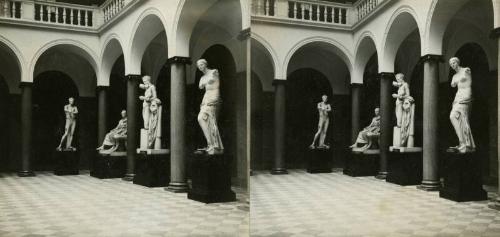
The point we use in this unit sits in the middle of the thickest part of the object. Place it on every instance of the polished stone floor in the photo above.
(80, 205)
(303, 204)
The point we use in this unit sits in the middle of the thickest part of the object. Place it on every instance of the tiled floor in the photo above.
(303, 204)
(49, 205)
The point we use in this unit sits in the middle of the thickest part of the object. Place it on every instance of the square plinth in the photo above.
(211, 179)
(66, 163)
(364, 163)
(462, 178)
(108, 166)
(404, 166)
(152, 168)
(319, 160)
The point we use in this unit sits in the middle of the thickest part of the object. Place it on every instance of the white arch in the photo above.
(107, 61)
(386, 60)
(86, 51)
(359, 61)
(132, 67)
(270, 51)
(343, 53)
(18, 55)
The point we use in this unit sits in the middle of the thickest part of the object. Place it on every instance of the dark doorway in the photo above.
(117, 94)
(4, 122)
(257, 160)
(51, 91)
(304, 90)
(370, 96)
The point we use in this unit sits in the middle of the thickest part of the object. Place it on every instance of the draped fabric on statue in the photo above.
(373, 128)
(406, 120)
(211, 110)
(119, 131)
(461, 110)
(153, 128)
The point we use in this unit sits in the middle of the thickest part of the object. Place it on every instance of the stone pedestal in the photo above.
(211, 179)
(319, 160)
(404, 166)
(108, 166)
(365, 163)
(462, 178)
(66, 163)
(152, 168)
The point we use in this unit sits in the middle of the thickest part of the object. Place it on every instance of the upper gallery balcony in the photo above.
(61, 15)
(315, 12)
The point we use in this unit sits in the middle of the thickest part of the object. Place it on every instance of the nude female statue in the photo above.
(70, 111)
(459, 115)
(209, 108)
(323, 110)
(149, 95)
(403, 92)
(111, 138)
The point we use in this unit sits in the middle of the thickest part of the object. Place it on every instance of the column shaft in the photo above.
(496, 35)
(178, 157)
(101, 113)
(355, 110)
(430, 177)
(279, 127)
(385, 121)
(26, 130)
(132, 124)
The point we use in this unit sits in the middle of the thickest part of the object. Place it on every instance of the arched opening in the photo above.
(51, 91)
(304, 90)
(262, 102)
(220, 58)
(370, 95)
(117, 93)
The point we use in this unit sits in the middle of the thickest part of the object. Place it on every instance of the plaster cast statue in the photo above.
(70, 111)
(149, 95)
(112, 138)
(323, 109)
(403, 92)
(406, 129)
(459, 114)
(368, 134)
(154, 131)
(209, 108)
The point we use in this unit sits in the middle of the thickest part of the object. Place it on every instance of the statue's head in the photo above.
(407, 102)
(454, 63)
(155, 103)
(324, 98)
(71, 100)
(377, 111)
(124, 113)
(400, 77)
(202, 64)
(146, 79)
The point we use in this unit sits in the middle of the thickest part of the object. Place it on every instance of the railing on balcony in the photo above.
(10, 8)
(365, 7)
(112, 7)
(64, 14)
(303, 10)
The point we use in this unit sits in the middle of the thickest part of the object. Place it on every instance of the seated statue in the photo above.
(367, 136)
(111, 140)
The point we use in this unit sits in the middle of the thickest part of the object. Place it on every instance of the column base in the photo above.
(381, 175)
(26, 173)
(128, 177)
(177, 187)
(429, 186)
(279, 171)
(495, 205)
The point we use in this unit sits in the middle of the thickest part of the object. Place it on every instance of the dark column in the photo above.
(386, 79)
(26, 124)
(132, 124)
(101, 113)
(430, 177)
(178, 157)
(279, 127)
(495, 34)
(355, 103)
(244, 119)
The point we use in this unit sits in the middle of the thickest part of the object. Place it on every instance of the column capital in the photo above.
(386, 75)
(179, 60)
(133, 77)
(356, 85)
(101, 88)
(244, 34)
(495, 33)
(279, 82)
(432, 58)
(25, 84)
